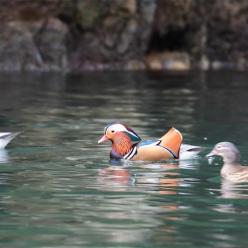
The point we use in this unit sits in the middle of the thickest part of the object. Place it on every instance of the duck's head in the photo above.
(123, 138)
(227, 150)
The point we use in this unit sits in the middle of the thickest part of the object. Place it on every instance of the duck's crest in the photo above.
(127, 130)
(133, 135)
(110, 124)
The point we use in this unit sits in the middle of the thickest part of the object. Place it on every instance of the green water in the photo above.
(58, 188)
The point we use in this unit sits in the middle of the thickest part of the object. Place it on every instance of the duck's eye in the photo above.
(218, 147)
(112, 131)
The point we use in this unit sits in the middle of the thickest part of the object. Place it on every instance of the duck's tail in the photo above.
(172, 140)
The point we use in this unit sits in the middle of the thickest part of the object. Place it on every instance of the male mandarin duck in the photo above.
(231, 170)
(5, 138)
(126, 144)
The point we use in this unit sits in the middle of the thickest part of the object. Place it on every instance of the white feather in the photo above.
(5, 138)
(189, 151)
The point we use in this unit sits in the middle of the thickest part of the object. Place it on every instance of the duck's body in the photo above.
(235, 173)
(231, 170)
(126, 144)
(5, 138)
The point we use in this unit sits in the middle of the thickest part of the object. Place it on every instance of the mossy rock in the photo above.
(87, 14)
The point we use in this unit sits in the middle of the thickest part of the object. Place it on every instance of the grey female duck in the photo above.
(231, 170)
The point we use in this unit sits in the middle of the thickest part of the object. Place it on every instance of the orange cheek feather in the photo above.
(122, 143)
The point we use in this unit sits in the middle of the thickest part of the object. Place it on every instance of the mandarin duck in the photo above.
(127, 145)
(231, 170)
(5, 138)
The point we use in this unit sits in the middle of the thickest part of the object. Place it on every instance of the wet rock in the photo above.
(168, 61)
(135, 65)
(87, 14)
(130, 5)
(172, 13)
(28, 11)
(103, 35)
(127, 36)
(117, 35)
(17, 48)
(204, 63)
(227, 32)
(50, 41)
(37, 45)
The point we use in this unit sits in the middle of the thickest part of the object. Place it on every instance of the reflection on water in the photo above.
(4, 157)
(234, 191)
(115, 178)
(59, 189)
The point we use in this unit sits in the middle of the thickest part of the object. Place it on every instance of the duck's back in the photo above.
(166, 147)
(239, 175)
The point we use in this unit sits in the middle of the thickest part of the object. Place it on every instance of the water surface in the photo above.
(58, 188)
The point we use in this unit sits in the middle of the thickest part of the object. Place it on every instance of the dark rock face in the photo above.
(32, 37)
(209, 31)
(37, 45)
(111, 33)
(65, 35)
(228, 33)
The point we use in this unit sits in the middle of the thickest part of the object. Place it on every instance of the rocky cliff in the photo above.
(75, 35)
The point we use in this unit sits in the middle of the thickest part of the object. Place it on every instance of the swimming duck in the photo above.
(5, 138)
(126, 144)
(231, 170)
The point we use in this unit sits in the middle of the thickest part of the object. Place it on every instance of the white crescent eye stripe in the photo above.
(116, 128)
(133, 134)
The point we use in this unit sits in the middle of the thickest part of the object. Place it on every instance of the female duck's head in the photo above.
(227, 151)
